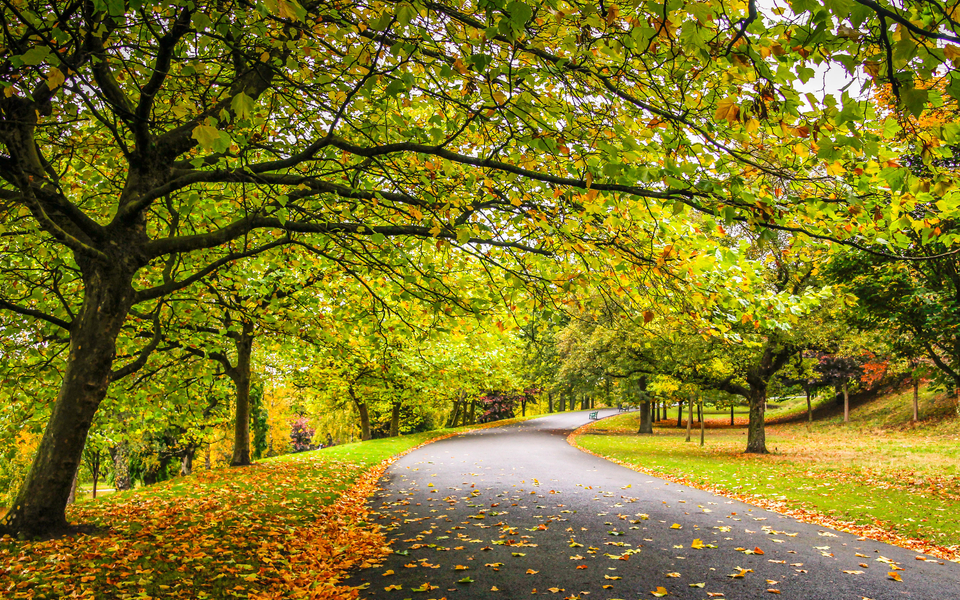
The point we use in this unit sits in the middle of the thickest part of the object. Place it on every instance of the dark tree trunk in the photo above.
(756, 433)
(523, 406)
(731, 415)
(240, 375)
(700, 412)
(549, 402)
(452, 421)
(702, 426)
(646, 426)
(473, 412)
(96, 474)
(679, 413)
(364, 415)
(689, 417)
(395, 419)
(40, 503)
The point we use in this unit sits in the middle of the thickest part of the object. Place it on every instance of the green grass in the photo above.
(877, 470)
(268, 528)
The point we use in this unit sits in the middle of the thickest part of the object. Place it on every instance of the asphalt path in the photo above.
(516, 512)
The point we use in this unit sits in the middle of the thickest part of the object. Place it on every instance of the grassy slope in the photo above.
(879, 470)
(286, 527)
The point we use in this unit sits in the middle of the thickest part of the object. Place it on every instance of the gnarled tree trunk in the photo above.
(39, 506)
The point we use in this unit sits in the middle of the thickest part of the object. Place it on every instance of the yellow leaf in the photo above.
(676, 526)
(55, 78)
(499, 97)
(660, 592)
(532, 572)
(728, 110)
(697, 544)
(674, 575)
(390, 588)
(388, 573)
(894, 576)
(461, 568)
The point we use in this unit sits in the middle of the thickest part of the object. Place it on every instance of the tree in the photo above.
(146, 146)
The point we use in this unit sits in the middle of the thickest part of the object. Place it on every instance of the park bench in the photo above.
(593, 415)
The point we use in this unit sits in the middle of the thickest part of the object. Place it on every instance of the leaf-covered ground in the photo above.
(289, 527)
(896, 484)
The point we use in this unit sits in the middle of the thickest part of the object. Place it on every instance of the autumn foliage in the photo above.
(280, 529)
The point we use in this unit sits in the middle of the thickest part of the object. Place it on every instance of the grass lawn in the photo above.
(290, 526)
(877, 471)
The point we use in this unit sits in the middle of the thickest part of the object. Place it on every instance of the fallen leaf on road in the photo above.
(660, 592)
(894, 576)
(773, 591)
(390, 588)
(673, 574)
(852, 572)
(698, 585)
(676, 526)
(532, 572)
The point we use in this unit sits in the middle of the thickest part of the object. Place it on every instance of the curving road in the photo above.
(515, 512)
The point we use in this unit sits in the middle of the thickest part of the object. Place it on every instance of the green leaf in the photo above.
(206, 136)
(35, 56)
(242, 105)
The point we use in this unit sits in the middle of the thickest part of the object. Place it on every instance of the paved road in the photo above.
(521, 513)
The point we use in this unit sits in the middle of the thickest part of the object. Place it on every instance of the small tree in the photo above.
(498, 405)
(301, 435)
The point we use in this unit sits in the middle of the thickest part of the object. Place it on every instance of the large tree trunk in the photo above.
(549, 402)
(364, 415)
(39, 506)
(240, 375)
(646, 425)
(756, 431)
(395, 419)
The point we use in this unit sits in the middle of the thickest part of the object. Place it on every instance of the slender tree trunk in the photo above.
(916, 398)
(689, 417)
(809, 407)
(523, 406)
(846, 402)
(700, 412)
(549, 402)
(646, 426)
(679, 414)
(756, 430)
(97, 463)
(241, 380)
(473, 412)
(364, 415)
(452, 421)
(40, 504)
(731, 416)
(395, 419)
(702, 425)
